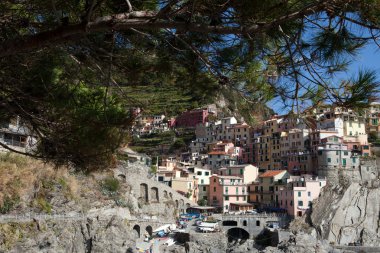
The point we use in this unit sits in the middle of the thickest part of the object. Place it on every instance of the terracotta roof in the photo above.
(271, 173)
(240, 126)
(217, 153)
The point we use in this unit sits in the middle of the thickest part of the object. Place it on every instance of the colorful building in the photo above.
(192, 118)
(225, 190)
(297, 194)
(373, 121)
(262, 191)
(247, 172)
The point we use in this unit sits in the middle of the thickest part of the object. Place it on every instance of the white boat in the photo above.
(208, 224)
(166, 228)
(206, 229)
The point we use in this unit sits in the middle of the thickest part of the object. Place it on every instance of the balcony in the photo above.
(261, 192)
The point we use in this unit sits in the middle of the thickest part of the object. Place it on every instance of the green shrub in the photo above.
(44, 205)
(9, 204)
(110, 186)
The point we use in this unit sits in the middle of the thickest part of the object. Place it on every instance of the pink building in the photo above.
(192, 118)
(298, 193)
(225, 190)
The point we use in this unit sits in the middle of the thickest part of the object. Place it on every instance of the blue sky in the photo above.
(367, 58)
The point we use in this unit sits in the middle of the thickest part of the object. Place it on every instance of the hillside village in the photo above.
(279, 165)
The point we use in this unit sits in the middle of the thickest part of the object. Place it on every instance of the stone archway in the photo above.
(188, 205)
(144, 193)
(166, 194)
(170, 195)
(154, 194)
(121, 176)
(176, 203)
(136, 231)
(244, 223)
(149, 230)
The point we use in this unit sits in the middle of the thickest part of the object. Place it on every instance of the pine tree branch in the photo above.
(144, 20)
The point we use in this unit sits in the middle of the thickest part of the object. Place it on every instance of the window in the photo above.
(291, 203)
(299, 194)
(229, 172)
(344, 161)
(204, 188)
(353, 159)
(226, 198)
(199, 173)
(226, 189)
(241, 171)
(214, 189)
(237, 198)
(329, 160)
(214, 198)
(207, 173)
(309, 194)
(214, 180)
(345, 153)
(257, 223)
(300, 203)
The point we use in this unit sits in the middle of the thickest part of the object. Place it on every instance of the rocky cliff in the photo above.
(348, 211)
(47, 210)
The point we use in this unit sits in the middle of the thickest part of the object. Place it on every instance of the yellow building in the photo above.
(262, 192)
(185, 184)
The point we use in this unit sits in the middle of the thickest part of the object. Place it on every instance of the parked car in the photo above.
(254, 211)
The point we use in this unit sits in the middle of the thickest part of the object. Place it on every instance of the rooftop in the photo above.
(228, 177)
(272, 173)
(217, 153)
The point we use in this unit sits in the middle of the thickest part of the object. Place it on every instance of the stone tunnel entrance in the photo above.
(237, 234)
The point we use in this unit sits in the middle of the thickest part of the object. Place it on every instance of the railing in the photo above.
(258, 215)
(261, 192)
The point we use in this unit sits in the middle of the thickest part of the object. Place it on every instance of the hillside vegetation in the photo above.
(28, 185)
(173, 141)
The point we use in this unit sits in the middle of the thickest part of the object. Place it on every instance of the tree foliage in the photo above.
(70, 69)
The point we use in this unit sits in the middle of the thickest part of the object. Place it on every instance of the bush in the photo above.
(9, 204)
(202, 202)
(44, 205)
(111, 184)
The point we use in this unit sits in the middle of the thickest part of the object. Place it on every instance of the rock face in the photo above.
(110, 234)
(347, 216)
(93, 221)
(349, 212)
